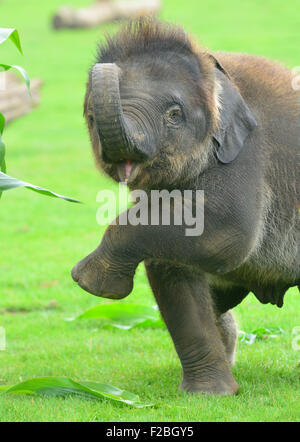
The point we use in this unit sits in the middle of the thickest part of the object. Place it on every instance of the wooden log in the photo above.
(14, 98)
(104, 11)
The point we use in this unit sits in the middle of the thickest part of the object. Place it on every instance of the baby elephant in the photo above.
(163, 114)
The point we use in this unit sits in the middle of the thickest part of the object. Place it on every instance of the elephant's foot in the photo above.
(210, 382)
(102, 278)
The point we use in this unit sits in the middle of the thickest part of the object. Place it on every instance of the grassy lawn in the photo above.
(42, 238)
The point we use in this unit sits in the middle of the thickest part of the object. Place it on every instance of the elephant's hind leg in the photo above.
(224, 300)
(228, 330)
(186, 306)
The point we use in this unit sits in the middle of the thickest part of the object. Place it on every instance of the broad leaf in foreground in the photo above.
(2, 123)
(125, 316)
(63, 386)
(13, 35)
(7, 182)
(2, 146)
(6, 67)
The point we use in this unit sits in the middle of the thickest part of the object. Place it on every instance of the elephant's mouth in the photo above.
(128, 170)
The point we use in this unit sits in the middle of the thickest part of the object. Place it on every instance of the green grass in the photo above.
(42, 238)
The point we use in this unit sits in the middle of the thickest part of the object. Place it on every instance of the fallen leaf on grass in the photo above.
(247, 338)
(260, 334)
(125, 316)
(63, 386)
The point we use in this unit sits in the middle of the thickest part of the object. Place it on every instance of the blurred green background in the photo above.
(42, 238)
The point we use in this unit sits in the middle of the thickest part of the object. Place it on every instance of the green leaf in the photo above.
(260, 334)
(13, 35)
(2, 123)
(7, 182)
(6, 67)
(247, 338)
(270, 332)
(2, 156)
(63, 386)
(125, 316)
(2, 147)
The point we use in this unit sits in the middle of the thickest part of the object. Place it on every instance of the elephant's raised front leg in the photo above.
(185, 304)
(109, 270)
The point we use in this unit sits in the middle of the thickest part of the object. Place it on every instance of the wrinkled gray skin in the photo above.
(176, 117)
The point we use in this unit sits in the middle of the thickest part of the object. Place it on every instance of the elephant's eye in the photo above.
(174, 115)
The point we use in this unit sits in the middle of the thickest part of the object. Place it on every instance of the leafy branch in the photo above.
(7, 182)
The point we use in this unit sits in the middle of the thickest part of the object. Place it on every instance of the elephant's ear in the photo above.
(236, 120)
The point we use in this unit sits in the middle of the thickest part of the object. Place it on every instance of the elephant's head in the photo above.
(158, 108)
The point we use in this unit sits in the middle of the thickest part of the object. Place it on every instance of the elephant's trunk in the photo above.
(111, 125)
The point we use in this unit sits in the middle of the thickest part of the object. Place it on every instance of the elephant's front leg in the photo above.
(185, 304)
(109, 270)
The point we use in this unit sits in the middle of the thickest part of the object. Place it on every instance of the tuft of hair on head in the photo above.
(144, 35)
